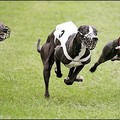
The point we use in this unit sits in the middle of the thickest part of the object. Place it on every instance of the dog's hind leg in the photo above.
(47, 56)
(46, 73)
(47, 63)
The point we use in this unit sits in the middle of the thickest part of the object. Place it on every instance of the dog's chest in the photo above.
(80, 60)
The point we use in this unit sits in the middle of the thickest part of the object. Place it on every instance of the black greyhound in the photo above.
(75, 53)
(111, 51)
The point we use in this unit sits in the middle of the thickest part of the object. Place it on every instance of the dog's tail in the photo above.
(38, 46)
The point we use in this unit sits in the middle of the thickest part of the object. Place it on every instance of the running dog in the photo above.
(69, 45)
(111, 51)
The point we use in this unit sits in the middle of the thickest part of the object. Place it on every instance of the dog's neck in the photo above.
(74, 46)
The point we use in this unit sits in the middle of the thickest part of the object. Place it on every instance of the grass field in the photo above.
(21, 79)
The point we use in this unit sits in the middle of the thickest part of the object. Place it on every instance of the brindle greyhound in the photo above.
(4, 32)
(74, 53)
(111, 51)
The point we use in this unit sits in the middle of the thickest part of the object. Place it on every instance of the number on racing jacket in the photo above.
(62, 32)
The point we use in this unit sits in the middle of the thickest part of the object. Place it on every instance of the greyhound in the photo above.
(69, 45)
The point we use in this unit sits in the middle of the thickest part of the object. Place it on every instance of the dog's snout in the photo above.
(95, 38)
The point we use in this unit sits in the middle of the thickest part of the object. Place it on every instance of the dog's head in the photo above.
(4, 32)
(89, 36)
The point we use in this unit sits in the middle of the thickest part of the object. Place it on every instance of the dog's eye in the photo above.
(95, 32)
(85, 31)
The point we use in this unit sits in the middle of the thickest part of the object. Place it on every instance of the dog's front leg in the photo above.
(78, 78)
(100, 61)
(73, 72)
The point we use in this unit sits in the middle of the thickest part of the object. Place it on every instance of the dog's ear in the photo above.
(80, 29)
(77, 35)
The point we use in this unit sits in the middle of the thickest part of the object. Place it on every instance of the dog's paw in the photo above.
(58, 74)
(79, 79)
(92, 69)
(67, 81)
(47, 95)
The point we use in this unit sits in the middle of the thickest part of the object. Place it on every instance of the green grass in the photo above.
(21, 79)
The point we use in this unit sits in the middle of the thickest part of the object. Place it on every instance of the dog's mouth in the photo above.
(5, 33)
(91, 42)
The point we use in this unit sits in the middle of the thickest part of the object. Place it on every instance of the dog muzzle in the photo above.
(5, 33)
(90, 40)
